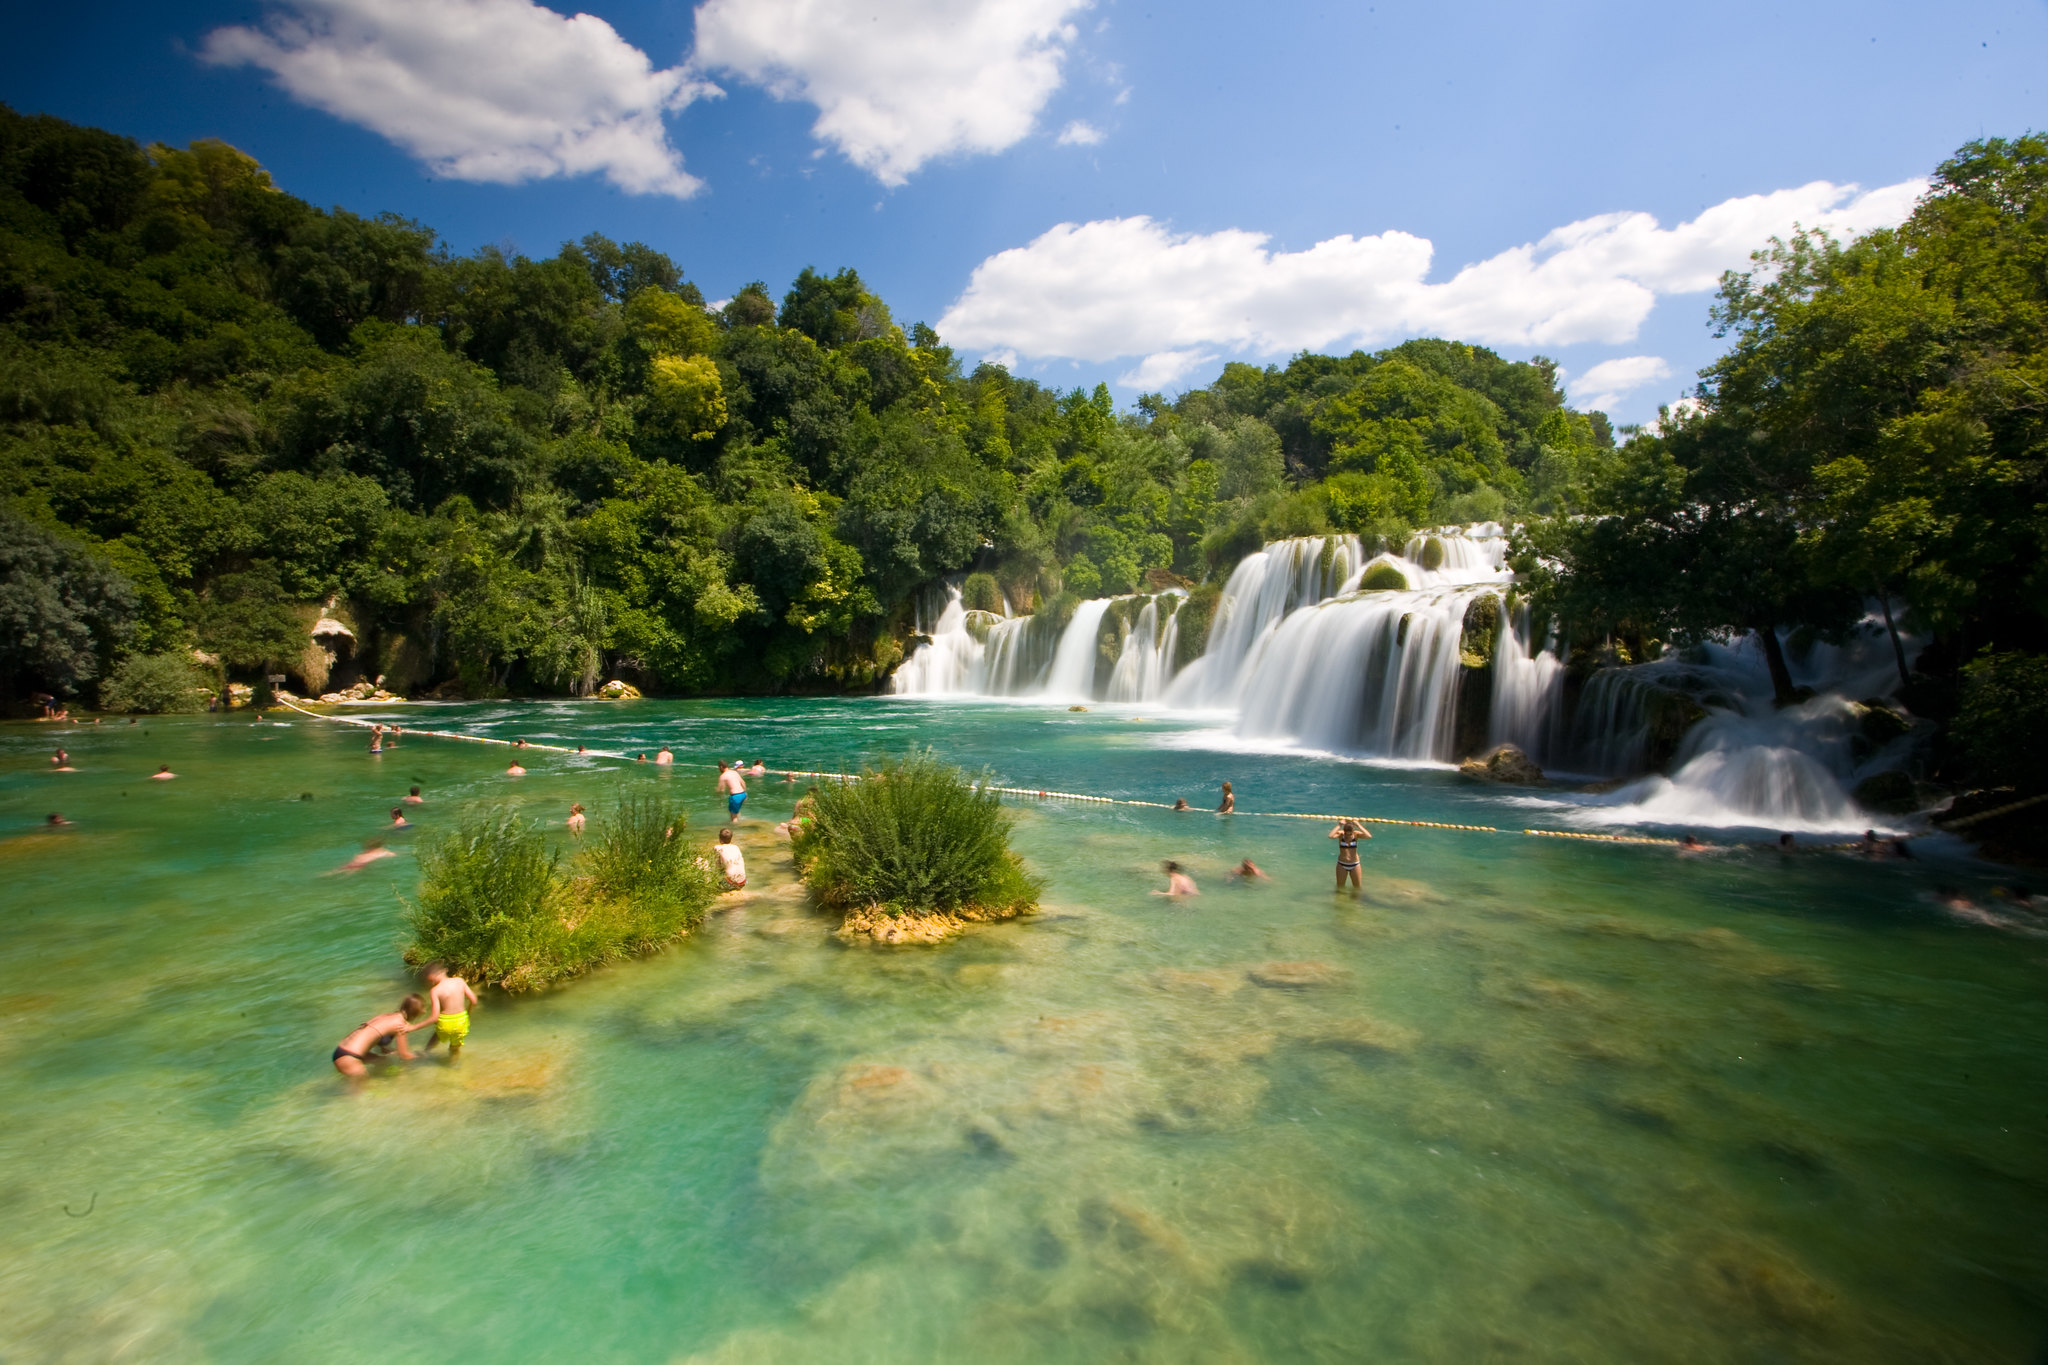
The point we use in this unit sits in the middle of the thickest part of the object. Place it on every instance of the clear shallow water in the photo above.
(1529, 1099)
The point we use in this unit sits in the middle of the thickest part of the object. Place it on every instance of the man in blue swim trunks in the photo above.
(734, 787)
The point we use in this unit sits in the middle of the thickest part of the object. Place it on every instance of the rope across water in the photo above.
(1027, 793)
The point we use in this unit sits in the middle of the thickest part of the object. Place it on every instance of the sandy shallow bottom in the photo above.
(1523, 1100)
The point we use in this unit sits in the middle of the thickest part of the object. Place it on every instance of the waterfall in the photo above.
(1072, 674)
(1263, 588)
(948, 662)
(1528, 684)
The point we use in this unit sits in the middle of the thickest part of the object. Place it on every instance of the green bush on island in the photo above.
(155, 684)
(912, 849)
(498, 906)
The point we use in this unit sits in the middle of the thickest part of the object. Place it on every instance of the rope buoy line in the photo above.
(1032, 793)
(1995, 812)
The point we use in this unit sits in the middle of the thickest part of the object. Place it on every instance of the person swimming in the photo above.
(1180, 803)
(1691, 844)
(398, 820)
(515, 770)
(1347, 834)
(413, 798)
(1248, 871)
(664, 758)
(576, 820)
(1178, 882)
(162, 774)
(376, 1035)
(758, 770)
(56, 821)
(372, 851)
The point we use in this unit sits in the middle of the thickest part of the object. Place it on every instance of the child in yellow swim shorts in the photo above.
(451, 997)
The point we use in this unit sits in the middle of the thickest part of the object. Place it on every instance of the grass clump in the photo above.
(911, 850)
(500, 907)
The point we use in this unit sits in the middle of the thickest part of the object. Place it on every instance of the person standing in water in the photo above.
(377, 740)
(1229, 801)
(1347, 834)
(451, 997)
(1178, 882)
(664, 758)
(731, 861)
(733, 787)
(376, 1034)
(162, 774)
(576, 819)
(413, 798)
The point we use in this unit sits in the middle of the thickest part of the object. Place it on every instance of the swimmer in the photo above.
(1229, 801)
(1870, 847)
(802, 817)
(664, 758)
(641, 759)
(413, 798)
(758, 770)
(377, 1034)
(451, 998)
(59, 759)
(162, 774)
(1347, 834)
(515, 771)
(56, 821)
(133, 721)
(519, 744)
(1248, 871)
(398, 820)
(579, 748)
(731, 861)
(377, 740)
(734, 789)
(372, 851)
(576, 819)
(1178, 882)
(1786, 843)
(1180, 803)
(1691, 844)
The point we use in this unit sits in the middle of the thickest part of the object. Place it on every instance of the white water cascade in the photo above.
(1314, 644)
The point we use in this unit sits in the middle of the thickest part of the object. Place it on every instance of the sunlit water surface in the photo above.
(1527, 1099)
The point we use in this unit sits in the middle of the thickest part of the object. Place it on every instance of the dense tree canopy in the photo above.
(1877, 433)
(224, 411)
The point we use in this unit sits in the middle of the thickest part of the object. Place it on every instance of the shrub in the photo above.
(499, 907)
(913, 837)
(1384, 577)
(980, 593)
(2002, 723)
(155, 684)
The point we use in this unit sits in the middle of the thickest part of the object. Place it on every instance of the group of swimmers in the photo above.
(1347, 832)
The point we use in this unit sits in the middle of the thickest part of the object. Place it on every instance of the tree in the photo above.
(63, 611)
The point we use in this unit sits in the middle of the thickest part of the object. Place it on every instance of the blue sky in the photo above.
(1239, 181)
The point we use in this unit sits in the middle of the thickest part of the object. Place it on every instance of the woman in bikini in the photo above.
(377, 1034)
(1229, 801)
(1347, 834)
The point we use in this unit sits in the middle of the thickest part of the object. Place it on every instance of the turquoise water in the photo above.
(1527, 1099)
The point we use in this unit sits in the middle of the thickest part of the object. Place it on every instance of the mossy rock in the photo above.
(1890, 793)
(1383, 577)
(1432, 554)
(1482, 631)
(615, 690)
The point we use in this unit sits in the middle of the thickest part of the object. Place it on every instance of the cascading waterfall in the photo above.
(1528, 685)
(1301, 652)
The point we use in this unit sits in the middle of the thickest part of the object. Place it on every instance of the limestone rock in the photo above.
(1295, 975)
(616, 690)
(1888, 792)
(1504, 763)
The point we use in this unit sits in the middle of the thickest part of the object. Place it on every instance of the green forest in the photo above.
(225, 412)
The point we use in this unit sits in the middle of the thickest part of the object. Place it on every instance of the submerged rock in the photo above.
(1295, 975)
(1504, 763)
(1891, 793)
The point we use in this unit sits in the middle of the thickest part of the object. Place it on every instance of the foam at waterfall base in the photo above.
(1225, 739)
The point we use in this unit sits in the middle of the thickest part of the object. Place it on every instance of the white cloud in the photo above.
(1161, 368)
(1130, 287)
(1006, 359)
(494, 90)
(901, 83)
(1607, 383)
(1080, 134)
